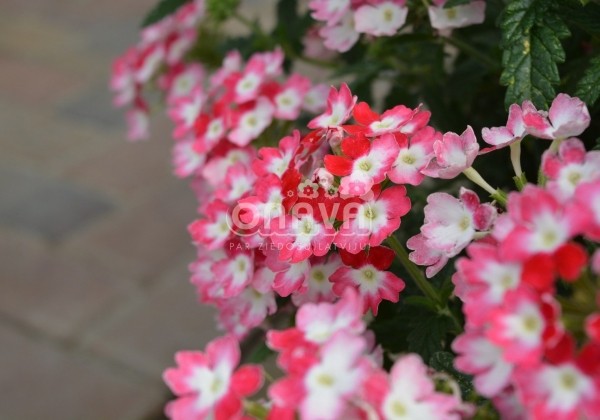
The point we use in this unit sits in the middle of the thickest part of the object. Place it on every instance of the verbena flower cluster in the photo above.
(299, 235)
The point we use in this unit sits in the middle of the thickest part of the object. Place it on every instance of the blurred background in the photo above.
(94, 292)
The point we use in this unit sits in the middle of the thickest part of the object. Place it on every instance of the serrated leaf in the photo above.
(163, 9)
(584, 15)
(531, 34)
(428, 334)
(588, 88)
(421, 301)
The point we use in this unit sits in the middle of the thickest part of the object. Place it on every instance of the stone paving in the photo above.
(94, 297)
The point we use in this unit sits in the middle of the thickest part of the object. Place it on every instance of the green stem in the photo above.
(515, 157)
(496, 194)
(415, 273)
(255, 409)
(476, 177)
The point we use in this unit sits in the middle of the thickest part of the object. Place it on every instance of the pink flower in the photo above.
(366, 165)
(569, 167)
(331, 383)
(541, 224)
(450, 223)
(560, 391)
(408, 392)
(276, 160)
(595, 262)
(368, 277)
(239, 181)
(503, 136)
(567, 117)
(456, 17)
(149, 60)
(398, 119)
(329, 11)
(289, 100)
(588, 197)
(247, 86)
(339, 108)
(424, 254)
(342, 36)
(216, 168)
(374, 220)
(215, 229)
(186, 160)
(181, 80)
(316, 323)
(415, 153)
(234, 273)
(185, 111)
(231, 64)
(326, 388)
(453, 154)
(122, 78)
(315, 99)
(292, 279)
(208, 385)
(518, 327)
(263, 210)
(273, 61)
(302, 236)
(137, 122)
(256, 301)
(318, 284)
(487, 279)
(480, 357)
(313, 45)
(251, 121)
(209, 130)
(381, 19)
(179, 44)
(201, 274)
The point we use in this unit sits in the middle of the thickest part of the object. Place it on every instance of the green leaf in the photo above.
(163, 9)
(585, 16)
(443, 361)
(259, 354)
(588, 88)
(428, 334)
(531, 34)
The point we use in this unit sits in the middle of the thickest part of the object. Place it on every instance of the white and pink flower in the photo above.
(381, 18)
(368, 276)
(208, 384)
(452, 154)
(567, 117)
(339, 108)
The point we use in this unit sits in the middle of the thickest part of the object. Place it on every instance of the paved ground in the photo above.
(94, 298)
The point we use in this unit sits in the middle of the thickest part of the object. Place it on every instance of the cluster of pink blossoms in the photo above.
(331, 187)
(308, 220)
(332, 371)
(345, 20)
(163, 44)
(534, 353)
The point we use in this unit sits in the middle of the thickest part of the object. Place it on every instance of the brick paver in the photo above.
(94, 292)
